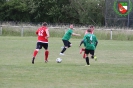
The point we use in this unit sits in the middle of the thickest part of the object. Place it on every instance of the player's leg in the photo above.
(81, 50)
(92, 55)
(83, 53)
(87, 57)
(38, 47)
(65, 47)
(69, 44)
(46, 53)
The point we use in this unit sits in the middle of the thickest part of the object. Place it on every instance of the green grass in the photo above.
(113, 69)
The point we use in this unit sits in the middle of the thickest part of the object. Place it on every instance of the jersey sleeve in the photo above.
(96, 41)
(47, 29)
(84, 39)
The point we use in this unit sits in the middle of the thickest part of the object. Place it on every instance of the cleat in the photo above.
(46, 61)
(84, 56)
(87, 65)
(33, 60)
(61, 54)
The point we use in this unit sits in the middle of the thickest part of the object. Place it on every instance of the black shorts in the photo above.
(66, 43)
(39, 45)
(89, 52)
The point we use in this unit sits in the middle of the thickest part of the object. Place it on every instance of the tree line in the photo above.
(53, 11)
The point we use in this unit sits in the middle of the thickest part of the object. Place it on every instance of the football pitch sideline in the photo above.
(113, 69)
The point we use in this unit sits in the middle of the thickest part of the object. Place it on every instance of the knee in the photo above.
(37, 49)
(86, 55)
(66, 47)
(46, 50)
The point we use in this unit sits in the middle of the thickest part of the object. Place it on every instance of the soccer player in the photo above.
(42, 41)
(66, 39)
(90, 43)
(82, 41)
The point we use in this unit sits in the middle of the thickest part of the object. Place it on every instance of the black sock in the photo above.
(63, 50)
(92, 57)
(87, 60)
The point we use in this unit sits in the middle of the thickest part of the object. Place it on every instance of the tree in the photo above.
(89, 11)
(53, 11)
(49, 10)
(14, 10)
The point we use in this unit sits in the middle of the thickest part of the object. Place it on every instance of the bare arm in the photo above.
(74, 34)
(47, 32)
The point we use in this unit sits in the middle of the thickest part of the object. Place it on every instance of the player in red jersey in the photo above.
(42, 41)
(86, 32)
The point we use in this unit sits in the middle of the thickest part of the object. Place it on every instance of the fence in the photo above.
(28, 30)
(16, 29)
(57, 31)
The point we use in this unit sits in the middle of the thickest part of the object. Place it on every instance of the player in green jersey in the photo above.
(86, 32)
(90, 43)
(66, 39)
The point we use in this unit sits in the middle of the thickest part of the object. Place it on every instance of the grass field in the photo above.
(113, 69)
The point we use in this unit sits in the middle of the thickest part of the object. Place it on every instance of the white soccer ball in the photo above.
(58, 60)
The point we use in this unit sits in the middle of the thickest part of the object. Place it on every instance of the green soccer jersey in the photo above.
(68, 34)
(90, 41)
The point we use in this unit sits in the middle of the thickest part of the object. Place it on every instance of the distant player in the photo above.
(66, 39)
(82, 41)
(90, 43)
(42, 41)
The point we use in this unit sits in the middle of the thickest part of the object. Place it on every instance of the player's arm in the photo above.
(37, 32)
(96, 42)
(74, 34)
(82, 41)
(47, 32)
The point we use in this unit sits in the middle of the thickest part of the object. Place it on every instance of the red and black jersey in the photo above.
(41, 32)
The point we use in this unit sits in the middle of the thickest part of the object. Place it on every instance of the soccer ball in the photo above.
(58, 60)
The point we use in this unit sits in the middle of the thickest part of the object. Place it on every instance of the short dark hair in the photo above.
(44, 24)
(91, 26)
(89, 30)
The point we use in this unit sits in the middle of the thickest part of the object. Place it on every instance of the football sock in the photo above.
(35, 53)
(83, 49)
(92, 57)
(46, 55)
(63, 50)
(33, 60)
(87, 60)
(84, 55)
